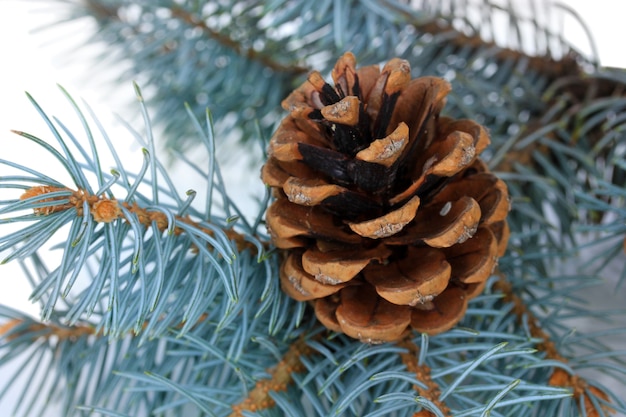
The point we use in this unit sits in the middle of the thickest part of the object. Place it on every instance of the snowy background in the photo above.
(37, 62)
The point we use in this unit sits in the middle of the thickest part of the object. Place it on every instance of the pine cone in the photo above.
(386, 218)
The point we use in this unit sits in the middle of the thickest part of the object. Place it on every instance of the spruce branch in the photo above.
(432, 391)
(552, 65)
(266, 53)
(606, 221)
(592, 399)
(582, 122)
(18, 327)
(575, 146)
(100, 11)
(582, 390)
(135, 252)
(281, 376)
(107, 210)
(249, 53)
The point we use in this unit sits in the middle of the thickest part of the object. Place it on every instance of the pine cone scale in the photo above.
(389, 224)
(410, 283)
(417, 104)
(287, 220)
(449, 307)
(368, 176)
(335, 199)
(302, 286)
(387, 150)
(365, 316)
(341, 265)
(441, 225)
(473, 260)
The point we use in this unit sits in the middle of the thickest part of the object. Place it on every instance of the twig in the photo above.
(106, 210)
(189, 18)
(552, 68)
(580, 388)
(567, 101)
(224, 40)
(432, 391)
(10, 330)
(281, 376)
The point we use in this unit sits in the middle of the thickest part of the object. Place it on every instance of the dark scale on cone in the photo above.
(388, 219)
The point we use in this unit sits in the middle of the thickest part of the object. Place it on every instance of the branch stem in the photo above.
(193, 20)
(281, 376)
(432, 391)
(106, 210)
(249, 53)
(10, 330)
(545, 64)
(580, 387)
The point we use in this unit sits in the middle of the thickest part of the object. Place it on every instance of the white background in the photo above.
(36, 62)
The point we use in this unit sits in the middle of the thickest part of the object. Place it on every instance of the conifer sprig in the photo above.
(561, 376)
(134, 252)
(243, 66)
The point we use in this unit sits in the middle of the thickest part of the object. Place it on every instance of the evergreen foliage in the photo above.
(163, 305)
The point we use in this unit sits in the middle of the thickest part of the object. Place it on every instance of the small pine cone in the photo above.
(386, 217)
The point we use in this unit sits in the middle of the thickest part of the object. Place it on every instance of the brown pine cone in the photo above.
(387, 218)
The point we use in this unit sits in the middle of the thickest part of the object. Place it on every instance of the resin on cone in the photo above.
(385, 215)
